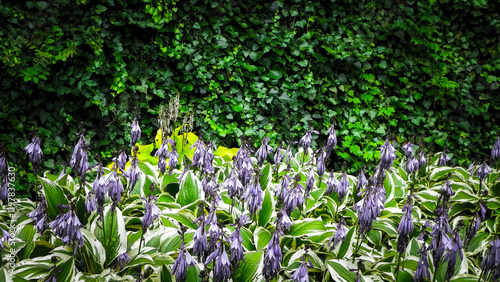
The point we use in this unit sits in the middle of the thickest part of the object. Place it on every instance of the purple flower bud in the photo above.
(320, 164)
(422, 271)
(233, 185)
(281, 191)
(236, 242)
(263, 151)
(422, 161)
(200, 237)
(79, 160)
(495, 152)
(272, 258)
(174, 159)
(183, 261)
(135, 133)
(446, 190)
(278, 155)
(254, 197)
(439, 233)
(34, 153)
(151, 212)
(90, 203)
(412, 165)
(4, 238)
(491, 262)
(122, 260)
(331, 184)
(443, 159)
(408, 150)
(209, 157)
(199, 153)
(67, 227)
(211, 188)
(310, 182)
(405, 226)
(370, 207)
(340, 234)
(134, 172)
(39, 215)
(452, 247)
(283, 221)
(306, 140)
(362, 182)
(162, 155)
(294, 198)
(121, 161)
(342, 186)
(331, 141)
(99, 189)
(302, 274)
(115, 189)
(483, 171)
(387, 155)
(4, 166)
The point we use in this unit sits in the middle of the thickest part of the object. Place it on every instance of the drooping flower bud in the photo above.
(408, 150)
(263, 151)
(387, 155)
(495, 152)
(483, 171)
(39, 215)
(79, 160)
(34, 153)
(306, 140)
(272, 258)
(151, 212)
(443, 159)
(135, 133)
(67, 227)
(331, 141)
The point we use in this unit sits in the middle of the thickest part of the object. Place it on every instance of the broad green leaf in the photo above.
(54, 195)
(261, 237)
(267, 209)
(94, 252)
(347, 247)
(189, 190)
(439, 173)
(67, 270)
(249, 270)
(5, 275)
(114, 236)
(266, 176)
(27, 234)
(339, 270)
(164, 274)
(308, 226)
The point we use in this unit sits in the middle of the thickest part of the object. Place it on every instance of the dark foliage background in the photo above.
(416, 68)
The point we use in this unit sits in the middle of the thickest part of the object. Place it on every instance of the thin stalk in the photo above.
(397, 267)
(358, 243)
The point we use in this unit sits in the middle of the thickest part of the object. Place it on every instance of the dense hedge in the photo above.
(416, 68)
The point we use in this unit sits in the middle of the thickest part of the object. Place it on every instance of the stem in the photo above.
(358, 243)
(140, 242)
(397, 267)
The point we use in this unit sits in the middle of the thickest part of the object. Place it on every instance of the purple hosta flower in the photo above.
(183, 261)
(122, 260)
(422, 161)
(302, 274)
(342, 186)
(495, 152)
(480, 216)
(99, 190)
(491, 262)
(405, 227)
(209, 157)
(470, 169)
(246, 169)
(90, 203)
(283, 221)
(340, 234)
(306, 140)
(294, 198)
(121, 160)
(440, 233)
(331, 183)
(309, 183)
(199, 153)
(254, 197)
(174, 159)
(412, 165)
(162, 154)
(79, 160)
(362, 182)
(211, 188)
(4, 189)
(67, 227)
(272, 257)
(34, 153)
(443, 159)
(213, 228)
(135, 132)
(200, 235)
(151, 212)
(483, 171)
(446, 190)
(4, 166)
(233, 185)
(331, 141)
(281, 191)
(236, 242)
(452, 247)
(222, 266)
(422, 273)
(263, 151)
(278, 155)
(387, 155)
(134, 172)
(320, 163)
(288, 153)
(370, 206)
(115, 189)
(39, 215)
(408, 150)
(4, 238)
